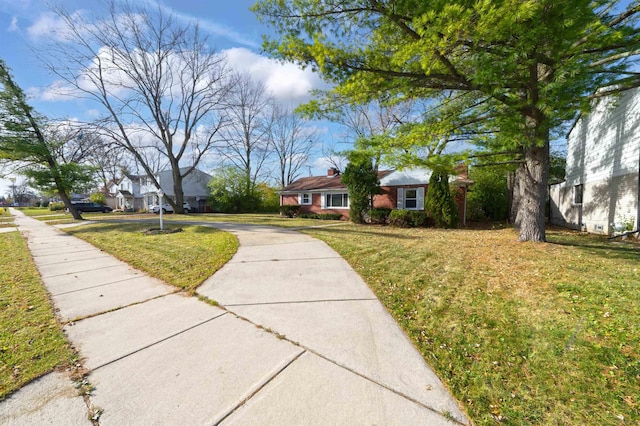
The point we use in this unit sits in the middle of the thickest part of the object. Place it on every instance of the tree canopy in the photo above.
(158, 84)
(506, 72)
(36, 149)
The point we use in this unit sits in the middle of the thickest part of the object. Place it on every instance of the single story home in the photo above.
(601, 187)
(401, 189)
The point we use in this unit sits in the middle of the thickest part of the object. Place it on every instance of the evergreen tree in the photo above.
(24, 141)
(439, 202)
(514, 69)
(361, 179)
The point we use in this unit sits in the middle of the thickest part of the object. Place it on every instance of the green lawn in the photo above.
(523, 333)
(6, 220)
(31, 340)
(183, 259)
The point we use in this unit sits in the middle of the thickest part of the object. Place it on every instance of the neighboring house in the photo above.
(194, 188)
(138, 192)
(603, 168)
(110, 193)
(400, 190)
(128, 195)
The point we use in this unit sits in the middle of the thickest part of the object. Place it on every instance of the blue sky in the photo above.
(26, 24)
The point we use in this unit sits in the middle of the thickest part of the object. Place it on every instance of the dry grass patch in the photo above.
(6, 220)
(523, 333)
(183, 259)
(31, 339)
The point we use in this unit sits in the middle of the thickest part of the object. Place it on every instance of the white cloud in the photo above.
(13, 27)
(58, 91)
(287, 82)
(48, 25)
(215, 28)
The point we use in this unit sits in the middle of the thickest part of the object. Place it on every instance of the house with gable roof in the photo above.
(601, 189)
(400, 189)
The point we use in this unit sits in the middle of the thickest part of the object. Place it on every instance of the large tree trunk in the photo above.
(177, 190)
(532, 176)
(70, 206)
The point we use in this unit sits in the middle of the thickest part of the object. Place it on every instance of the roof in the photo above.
(318, 183)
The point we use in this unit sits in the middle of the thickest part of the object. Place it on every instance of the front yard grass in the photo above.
(184, 259)
(31, 339)
(523, 333)
(6, 220)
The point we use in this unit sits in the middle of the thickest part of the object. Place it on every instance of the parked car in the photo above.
(92, 207)
(166, 208)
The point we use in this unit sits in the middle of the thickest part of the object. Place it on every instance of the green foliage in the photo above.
(23, 141)
(504, 72)
(98, 197)
(487, 197)
(379, 215)
(439, 201)
(362, 182)
(269, 198)
(410, 219)
(290, 210)
(54, 207)
(230, 193)
(321, 216)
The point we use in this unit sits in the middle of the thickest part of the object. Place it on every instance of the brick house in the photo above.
(401, 189)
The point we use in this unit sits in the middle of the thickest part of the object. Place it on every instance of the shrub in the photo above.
(99, 198)
(439, 202)
(330, 216)
(321, 216)
(410, 219)
(400, 218)
(289, 210)
(379, 215)
(54, 207)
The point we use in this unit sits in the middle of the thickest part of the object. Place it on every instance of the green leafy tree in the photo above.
(37, 152)
(515, 69)
(439, 202)
(98, 197)
(487, 199)
(230, 194)
(361, 179)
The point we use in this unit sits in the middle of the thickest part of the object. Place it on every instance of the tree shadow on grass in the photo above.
(596, 245)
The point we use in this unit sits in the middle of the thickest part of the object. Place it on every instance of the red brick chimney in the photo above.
(333, 172)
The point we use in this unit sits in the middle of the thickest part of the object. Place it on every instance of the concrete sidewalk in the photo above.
(299, 339)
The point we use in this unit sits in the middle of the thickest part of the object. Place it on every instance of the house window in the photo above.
(410, 199)
(340, 200)
(577, 194)
(305, 198)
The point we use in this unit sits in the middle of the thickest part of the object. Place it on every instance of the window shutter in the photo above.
(323, 198)
(400, 201)
(420, 198)
(299, 199)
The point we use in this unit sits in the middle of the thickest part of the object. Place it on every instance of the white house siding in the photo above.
(194, 188)
(603, 154)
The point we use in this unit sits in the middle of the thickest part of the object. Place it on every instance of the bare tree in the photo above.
(245, 140)
(291, 141)
(155, 78)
